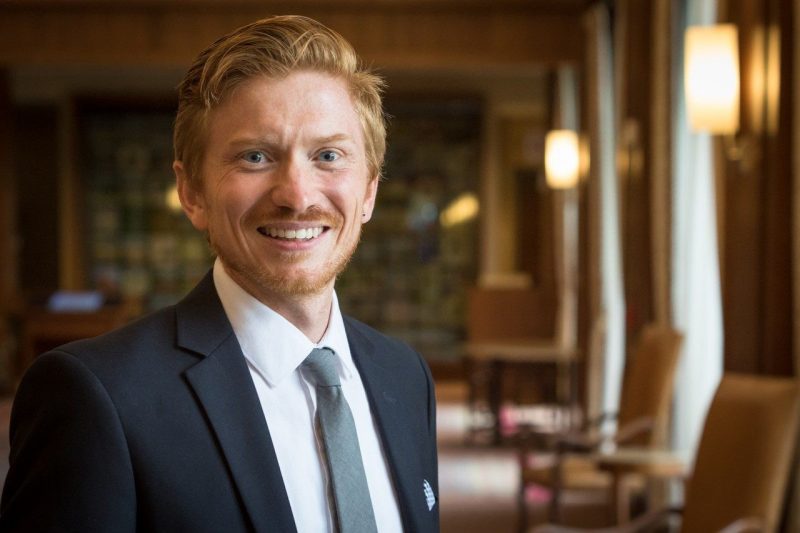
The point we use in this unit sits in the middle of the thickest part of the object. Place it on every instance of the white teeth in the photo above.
(300, 234)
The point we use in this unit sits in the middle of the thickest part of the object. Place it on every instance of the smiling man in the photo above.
(253, 404)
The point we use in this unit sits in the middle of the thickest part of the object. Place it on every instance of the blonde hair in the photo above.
(273, 47)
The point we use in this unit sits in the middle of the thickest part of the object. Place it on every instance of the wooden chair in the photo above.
(642, 420)
(742, 466)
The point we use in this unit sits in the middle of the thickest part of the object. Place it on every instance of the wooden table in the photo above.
(649, 462)
(43, 330)
(500, 353)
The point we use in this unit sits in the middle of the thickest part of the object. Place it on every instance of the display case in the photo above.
(140, 246)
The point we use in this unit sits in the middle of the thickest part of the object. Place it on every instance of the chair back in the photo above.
(509, 314)
(745, 454)
(648, 382)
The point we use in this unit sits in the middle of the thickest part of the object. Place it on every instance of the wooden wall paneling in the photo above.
(8, 237)
(793, 502)
(777, 280)
(635, 173)
(72, 274)
(744, 226)
(750, 16)
(757, 285)
(36, 133)
(794, 88)
(494, 256)
(7, 198)
(390, 34)
(742, 259)
(534, 219)
(515, 205)
(661, 112)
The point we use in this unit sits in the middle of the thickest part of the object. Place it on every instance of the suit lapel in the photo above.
(225, 391)
(385, 393)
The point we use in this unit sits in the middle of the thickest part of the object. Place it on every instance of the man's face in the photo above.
(285, 184)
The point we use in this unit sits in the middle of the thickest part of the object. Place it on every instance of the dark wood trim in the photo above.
(635, 178)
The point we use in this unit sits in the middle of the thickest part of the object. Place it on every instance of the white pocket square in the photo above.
(430, 499)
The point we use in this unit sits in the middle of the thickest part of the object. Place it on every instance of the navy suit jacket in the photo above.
(157, 427)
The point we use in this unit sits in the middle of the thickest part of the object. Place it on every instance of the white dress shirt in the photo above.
(274, 348)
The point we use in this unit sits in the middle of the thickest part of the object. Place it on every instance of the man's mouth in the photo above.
(298, 234)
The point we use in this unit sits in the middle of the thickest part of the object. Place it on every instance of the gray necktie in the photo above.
(348, 482)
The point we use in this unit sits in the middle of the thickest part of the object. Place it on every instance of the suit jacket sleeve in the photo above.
(66, 439)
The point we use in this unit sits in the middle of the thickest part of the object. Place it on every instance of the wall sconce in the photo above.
(713, 88)
(711, 79)
(562, 159)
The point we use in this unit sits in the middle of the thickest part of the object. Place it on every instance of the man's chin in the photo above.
(296, 286)
(287, 279)
(292, 284)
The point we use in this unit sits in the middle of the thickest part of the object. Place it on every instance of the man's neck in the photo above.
(308, 313)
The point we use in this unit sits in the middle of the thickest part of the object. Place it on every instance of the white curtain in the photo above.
(612, 301)
(697, 307)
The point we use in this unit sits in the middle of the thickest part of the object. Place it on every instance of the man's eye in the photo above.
(254, 157)
(328, 156)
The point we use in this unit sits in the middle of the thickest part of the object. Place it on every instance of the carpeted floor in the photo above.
(478, 483)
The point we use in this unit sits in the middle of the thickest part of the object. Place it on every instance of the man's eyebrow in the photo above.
(333, 138)
(253, 141)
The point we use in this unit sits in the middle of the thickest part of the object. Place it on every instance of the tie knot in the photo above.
(320, 368)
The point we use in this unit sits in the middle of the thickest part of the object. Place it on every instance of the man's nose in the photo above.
(292, 188)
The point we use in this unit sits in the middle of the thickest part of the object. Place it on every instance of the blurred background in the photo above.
(569, 190)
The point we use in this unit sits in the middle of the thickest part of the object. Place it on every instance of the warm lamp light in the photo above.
(462, 209)
(562, 159)
(711, 78)
(172, 199)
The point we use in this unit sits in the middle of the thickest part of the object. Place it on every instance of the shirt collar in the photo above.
(272, 344)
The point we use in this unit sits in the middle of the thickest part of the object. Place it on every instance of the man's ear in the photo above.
(192, 200)
(369, 199)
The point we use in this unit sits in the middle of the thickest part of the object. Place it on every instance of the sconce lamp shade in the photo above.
(711, 78)
(562, 159)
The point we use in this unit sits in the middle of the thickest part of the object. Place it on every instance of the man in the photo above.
(214, 415)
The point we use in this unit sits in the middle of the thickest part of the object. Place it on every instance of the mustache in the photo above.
(312, 214)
